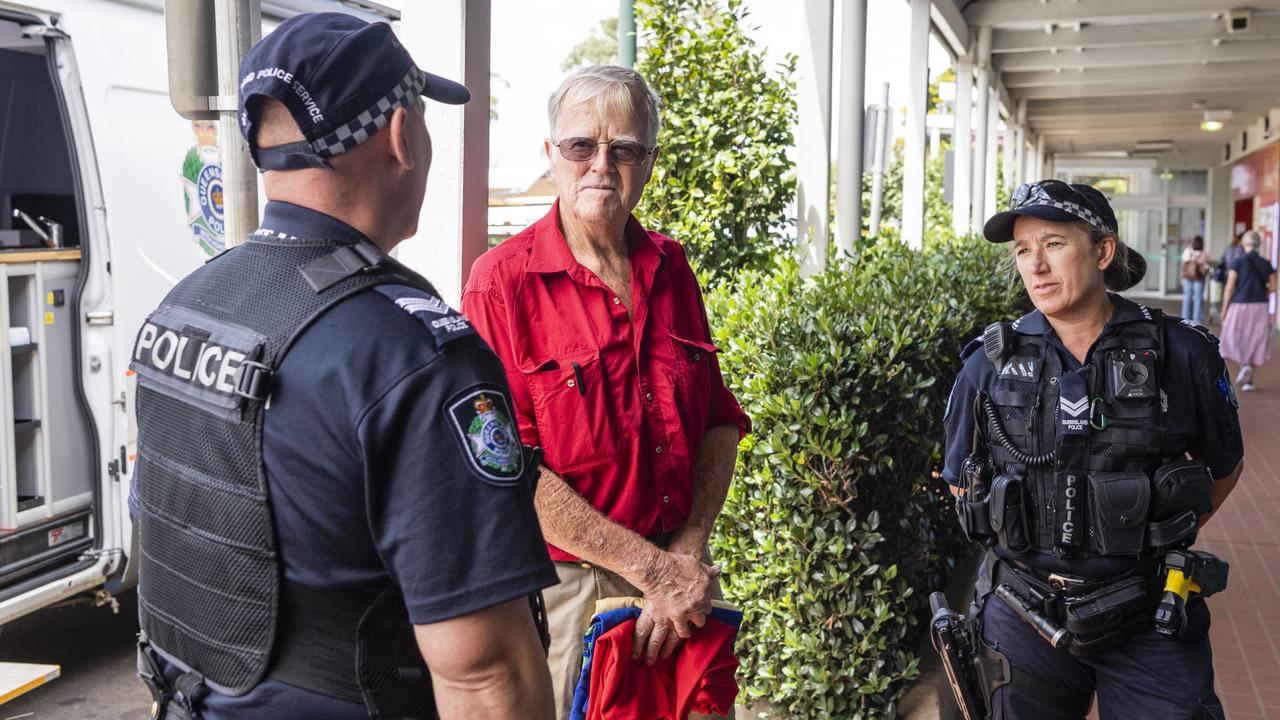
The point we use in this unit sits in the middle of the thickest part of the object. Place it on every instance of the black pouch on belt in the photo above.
(1102, 619)
(1118, 504)
(1009, 513)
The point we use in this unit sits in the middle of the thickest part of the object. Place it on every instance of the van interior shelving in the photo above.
(47, 477)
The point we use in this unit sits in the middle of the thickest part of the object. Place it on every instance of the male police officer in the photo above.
(330, 487)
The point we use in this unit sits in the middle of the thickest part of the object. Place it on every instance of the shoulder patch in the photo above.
(446, 324)
(1208, 334)
(483, 423)
(1227, 389)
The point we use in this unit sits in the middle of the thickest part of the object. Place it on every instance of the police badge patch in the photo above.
(482, 420)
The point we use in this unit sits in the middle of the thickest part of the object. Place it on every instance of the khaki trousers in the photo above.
(570, 606)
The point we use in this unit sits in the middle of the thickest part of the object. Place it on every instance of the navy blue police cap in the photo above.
(1056, 201)
(340, 77)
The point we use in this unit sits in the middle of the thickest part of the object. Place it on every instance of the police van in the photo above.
(107, 198)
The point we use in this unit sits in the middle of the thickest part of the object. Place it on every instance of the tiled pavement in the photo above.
(1246, 533)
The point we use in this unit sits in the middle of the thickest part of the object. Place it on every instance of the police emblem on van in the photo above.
(481, 418)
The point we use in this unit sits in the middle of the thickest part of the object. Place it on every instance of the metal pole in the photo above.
(238, 26)
(813, 189)
(914, 158)
(853, 53)
(882, 160)
(982, 123)
(627, 33)
(961, 143)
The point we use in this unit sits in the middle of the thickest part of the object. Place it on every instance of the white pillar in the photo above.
(1043, 172)
(881, 157)
(813, 171)
(853, 72)
(982, 124)
(1033, 160)
(993, 129)
(1019, 146)
(913, 158)
(1006, 153)
(962, 168)
(451, 38)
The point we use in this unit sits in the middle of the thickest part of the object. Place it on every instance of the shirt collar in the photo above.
(285, 219)
(551, 253)
(1127, 311)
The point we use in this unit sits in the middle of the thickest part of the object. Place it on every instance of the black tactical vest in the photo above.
(1088, 443)
(211, 595)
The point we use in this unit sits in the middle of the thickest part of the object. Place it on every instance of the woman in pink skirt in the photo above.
(1246, 324)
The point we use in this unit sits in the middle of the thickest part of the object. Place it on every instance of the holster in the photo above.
(180, 700)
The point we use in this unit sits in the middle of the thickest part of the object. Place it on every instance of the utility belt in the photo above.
(1086, 617)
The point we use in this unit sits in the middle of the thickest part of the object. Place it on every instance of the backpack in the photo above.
(1191, 270)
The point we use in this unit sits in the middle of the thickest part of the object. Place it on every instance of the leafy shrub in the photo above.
(721, 182)
(835, 528)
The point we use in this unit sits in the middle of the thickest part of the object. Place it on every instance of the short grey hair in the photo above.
(613, 89)
(1252, 240)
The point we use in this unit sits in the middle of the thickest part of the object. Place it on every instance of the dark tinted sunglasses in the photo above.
(622, 152)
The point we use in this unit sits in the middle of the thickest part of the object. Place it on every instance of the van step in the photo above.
(45, 578)
(49, 544)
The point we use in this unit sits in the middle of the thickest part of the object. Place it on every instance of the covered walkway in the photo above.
(1246, 533)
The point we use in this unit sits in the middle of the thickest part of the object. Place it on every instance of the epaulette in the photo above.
(446, 324)
(1204, 331)
(971, 348)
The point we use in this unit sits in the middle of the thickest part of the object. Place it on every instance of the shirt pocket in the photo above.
(693, 379)
(571, 410)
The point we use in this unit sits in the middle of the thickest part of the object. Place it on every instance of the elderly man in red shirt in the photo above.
(601, 328)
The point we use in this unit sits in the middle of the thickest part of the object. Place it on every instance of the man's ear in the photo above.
(400, 144)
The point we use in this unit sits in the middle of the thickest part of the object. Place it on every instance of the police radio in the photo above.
(1131, 374)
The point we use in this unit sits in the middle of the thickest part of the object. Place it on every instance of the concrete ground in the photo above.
(95, 648)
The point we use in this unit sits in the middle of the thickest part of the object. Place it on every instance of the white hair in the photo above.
(614, 89)
(1252, 240)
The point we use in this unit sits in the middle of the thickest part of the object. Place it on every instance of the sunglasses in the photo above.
(622, 152)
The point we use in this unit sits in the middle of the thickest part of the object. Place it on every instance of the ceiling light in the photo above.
(1214, 120)
(1166, 175)
(1149, 145)
(1211, 125)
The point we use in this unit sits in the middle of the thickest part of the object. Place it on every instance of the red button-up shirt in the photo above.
(619, 403)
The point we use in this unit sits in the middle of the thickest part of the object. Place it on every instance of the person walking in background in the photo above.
(1195, 266)
(1246, 315)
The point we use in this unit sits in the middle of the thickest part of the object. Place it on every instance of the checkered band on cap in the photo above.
(1042, 198)
(372, 120)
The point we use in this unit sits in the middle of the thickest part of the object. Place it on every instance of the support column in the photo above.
(1019, 146)
(813, 171)
(982, 123)
(913, 158)
(451, 38)
(853, 72)
(1006, 152)
(1043, 172)
(990, 180)
(962, 168)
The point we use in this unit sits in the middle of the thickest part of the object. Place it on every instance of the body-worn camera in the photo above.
(1132, 374)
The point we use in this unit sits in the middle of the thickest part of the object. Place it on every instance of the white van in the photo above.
(107, 198)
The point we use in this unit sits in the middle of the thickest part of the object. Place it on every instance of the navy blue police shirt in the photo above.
(1201, 415)
(388, 452)
(1252, 273)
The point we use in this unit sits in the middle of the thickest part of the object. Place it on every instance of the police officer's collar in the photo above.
(1127, 311)
(284, 221)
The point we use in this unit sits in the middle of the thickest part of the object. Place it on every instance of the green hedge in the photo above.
(835, 528)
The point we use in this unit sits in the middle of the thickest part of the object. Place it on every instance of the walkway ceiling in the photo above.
(1104, 75)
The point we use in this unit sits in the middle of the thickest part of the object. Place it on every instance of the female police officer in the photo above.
(1086, 443)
